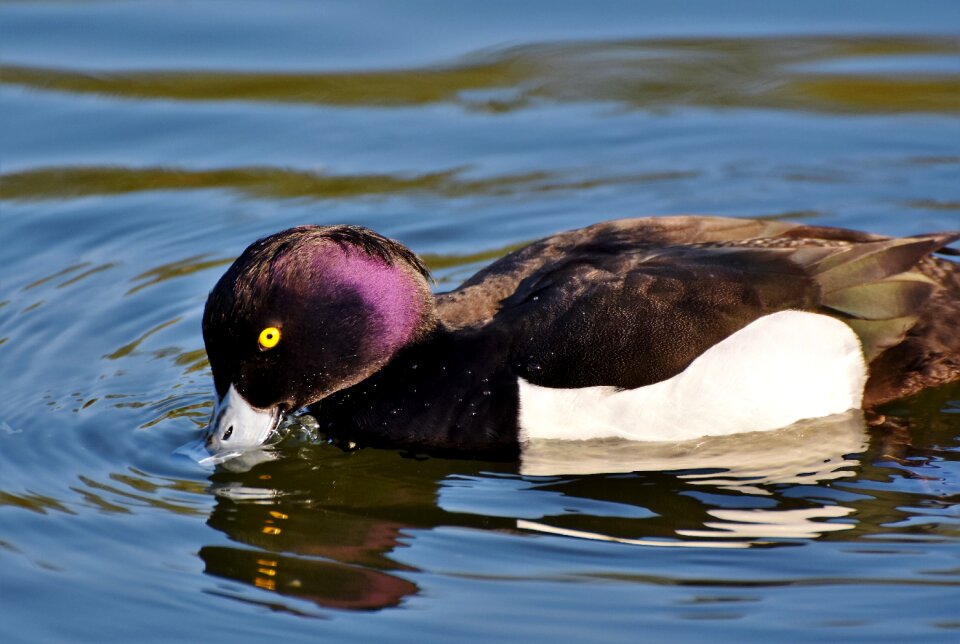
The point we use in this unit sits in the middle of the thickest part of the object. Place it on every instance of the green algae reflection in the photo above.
(760, 73)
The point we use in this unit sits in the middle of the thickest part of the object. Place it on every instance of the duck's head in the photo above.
(302, 314)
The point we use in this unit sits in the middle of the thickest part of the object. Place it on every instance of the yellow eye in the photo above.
(269, 337)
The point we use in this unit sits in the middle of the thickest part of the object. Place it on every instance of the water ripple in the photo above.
(797, 72)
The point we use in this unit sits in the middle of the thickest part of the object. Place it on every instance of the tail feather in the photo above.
(890, 298)
(874, 261)
(875, 287)
(877, 336)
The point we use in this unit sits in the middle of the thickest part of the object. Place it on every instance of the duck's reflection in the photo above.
(751, 466)
(335, 528)
(807, 452)
(795, 524)
(328, 584)
(330, 558)
(324, 527)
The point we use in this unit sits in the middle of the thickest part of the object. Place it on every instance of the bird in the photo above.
(650, 329)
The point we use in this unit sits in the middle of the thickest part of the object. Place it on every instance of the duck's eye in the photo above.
(269, 337)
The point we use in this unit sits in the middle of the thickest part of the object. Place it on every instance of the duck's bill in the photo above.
(237, 426)
(234, 461)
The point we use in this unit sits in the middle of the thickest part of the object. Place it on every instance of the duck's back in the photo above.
(632, 302)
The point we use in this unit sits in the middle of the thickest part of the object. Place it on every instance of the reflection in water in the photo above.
(59, 273)
(331, 527)
(324, 526)
(815, 73)
(326, 584)
(173, 270)
(807, 452)
(793, 524)
(274, 183)
(534, 526)
(131, 346)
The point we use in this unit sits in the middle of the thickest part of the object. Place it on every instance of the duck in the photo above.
(647, 329)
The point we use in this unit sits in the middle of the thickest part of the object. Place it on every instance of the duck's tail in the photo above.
(903, 304)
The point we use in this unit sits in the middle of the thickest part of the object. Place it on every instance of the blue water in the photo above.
(144, 144)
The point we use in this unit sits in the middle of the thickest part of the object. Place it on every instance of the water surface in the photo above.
(144, 144)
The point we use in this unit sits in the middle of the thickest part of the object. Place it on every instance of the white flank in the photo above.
(779, 369)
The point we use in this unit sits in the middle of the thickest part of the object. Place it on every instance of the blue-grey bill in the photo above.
(236, 428)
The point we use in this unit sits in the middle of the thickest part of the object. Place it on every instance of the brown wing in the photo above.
(478, 299)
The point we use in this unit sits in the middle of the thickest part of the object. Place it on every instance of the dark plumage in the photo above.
(624, 303)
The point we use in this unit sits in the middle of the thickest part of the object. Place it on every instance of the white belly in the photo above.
(779, 369)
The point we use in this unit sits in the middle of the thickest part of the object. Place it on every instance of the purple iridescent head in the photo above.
(302, 314)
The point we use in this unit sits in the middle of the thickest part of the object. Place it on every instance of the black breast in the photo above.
(452, 393)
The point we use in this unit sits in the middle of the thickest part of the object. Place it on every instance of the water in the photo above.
(144, 144)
